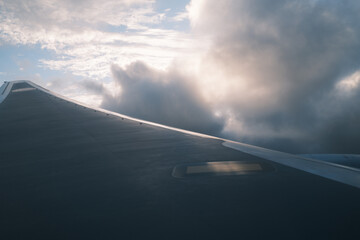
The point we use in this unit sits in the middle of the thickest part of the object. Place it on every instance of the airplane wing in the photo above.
(69, 171)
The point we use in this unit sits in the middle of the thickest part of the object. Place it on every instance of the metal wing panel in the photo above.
(68, 171)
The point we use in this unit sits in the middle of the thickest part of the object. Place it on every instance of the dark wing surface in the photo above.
(68, 171)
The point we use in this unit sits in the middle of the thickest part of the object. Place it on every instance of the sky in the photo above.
(281, 74)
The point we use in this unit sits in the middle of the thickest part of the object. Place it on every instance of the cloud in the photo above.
(79, 14)
(273, 68)
(180, 16)
(166, 97)
(280, 74)
(87, 36)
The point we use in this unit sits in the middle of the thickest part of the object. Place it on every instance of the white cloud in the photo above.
(89, 36)
(180, 16)
(272, 68)
(349, 85)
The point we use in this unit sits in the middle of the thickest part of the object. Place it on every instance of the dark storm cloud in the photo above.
(95, 87)
(294, 53)
(162, 97)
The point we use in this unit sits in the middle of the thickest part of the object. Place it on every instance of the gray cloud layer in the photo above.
(287, 72)
(293, 53)
(158, 96)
